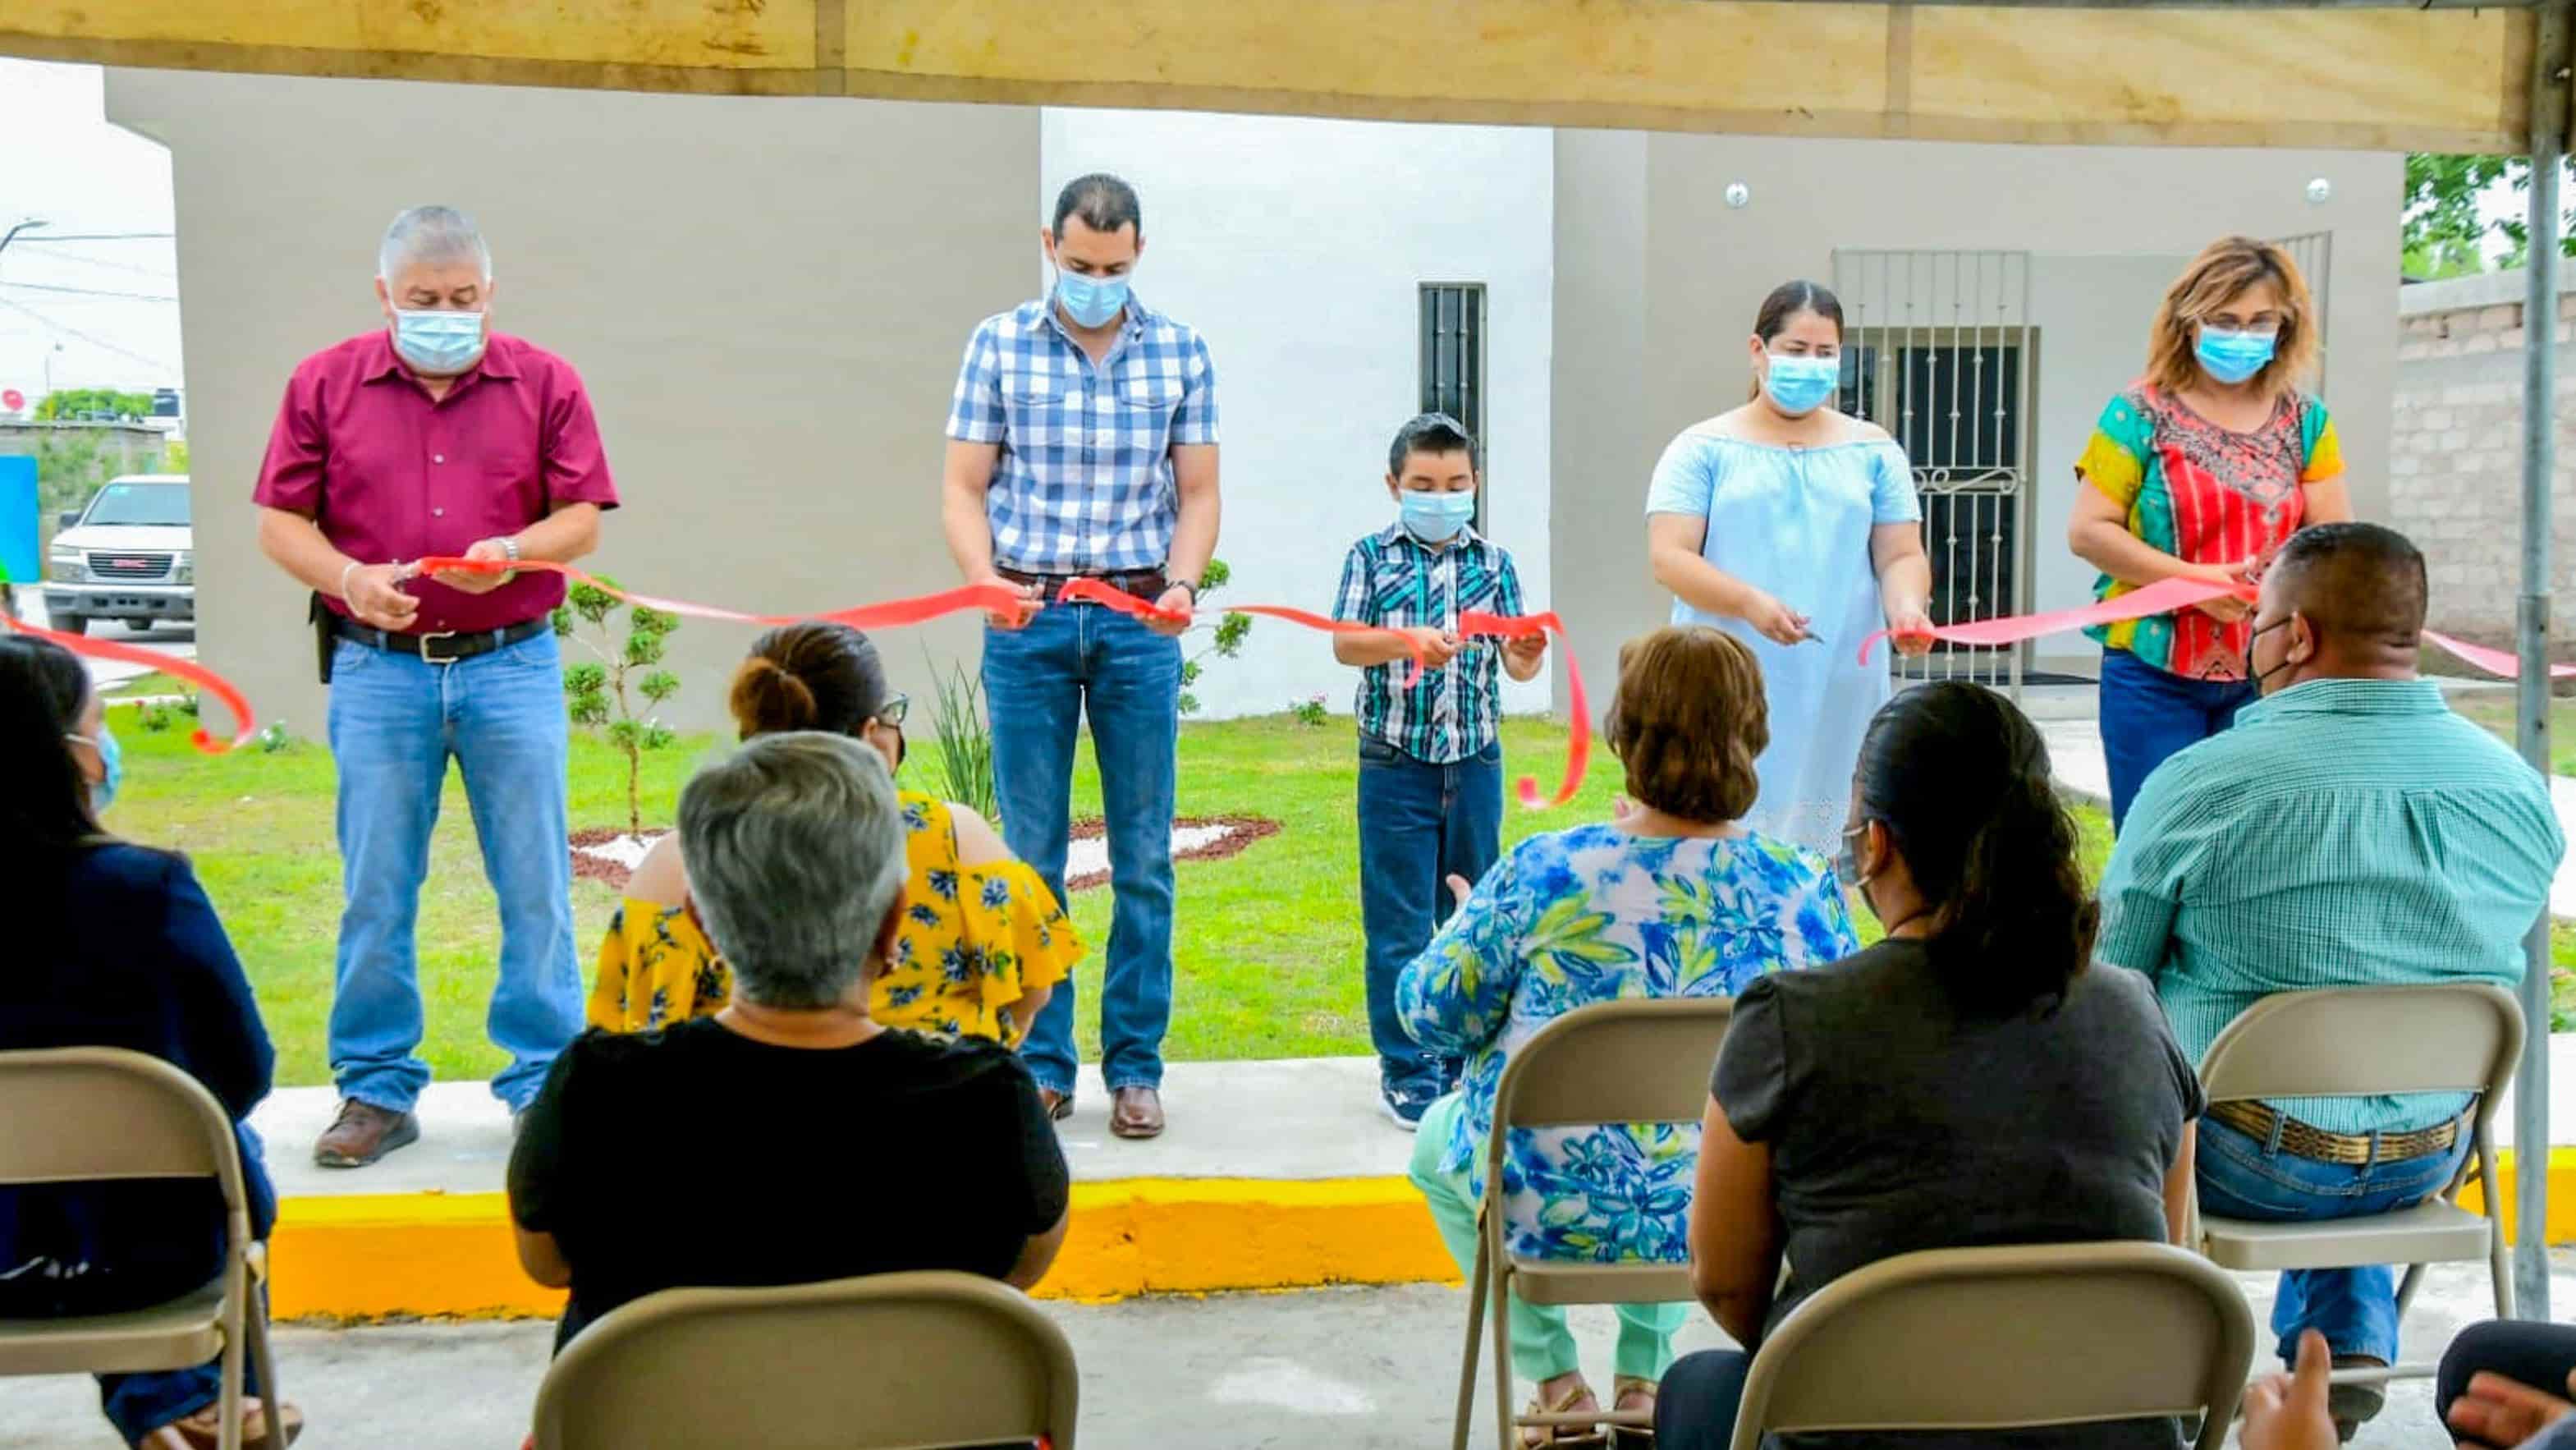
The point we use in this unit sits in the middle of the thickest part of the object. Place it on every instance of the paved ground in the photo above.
(1359, 1369)
(180, 641)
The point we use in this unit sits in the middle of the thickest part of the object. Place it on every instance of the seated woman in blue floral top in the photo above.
(1671, 899)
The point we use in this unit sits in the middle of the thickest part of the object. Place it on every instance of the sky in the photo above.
(62, 163)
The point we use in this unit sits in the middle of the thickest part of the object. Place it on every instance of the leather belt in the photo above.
(2304, 1140)
(444, 647)
(1146, 584)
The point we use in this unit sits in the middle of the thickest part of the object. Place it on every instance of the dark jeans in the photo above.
(2148, 714)
(136, 1404)
(1072, 663)
(2538, 1355)
(1695, 1408)
(1420, 824)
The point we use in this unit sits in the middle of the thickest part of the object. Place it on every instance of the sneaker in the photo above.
(1405, 1105)
(2353, 1406)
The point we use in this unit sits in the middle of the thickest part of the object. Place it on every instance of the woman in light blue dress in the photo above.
(1795, 528)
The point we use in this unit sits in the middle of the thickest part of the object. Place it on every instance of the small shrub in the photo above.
(965, 739)
(1310, 712)
(1223, 639)
(597, 694)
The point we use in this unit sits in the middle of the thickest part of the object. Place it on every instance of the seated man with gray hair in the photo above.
(732, 1150)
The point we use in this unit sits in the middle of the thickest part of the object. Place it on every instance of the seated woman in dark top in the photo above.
(718, 1152)
(1969, 1081)
(116, 946)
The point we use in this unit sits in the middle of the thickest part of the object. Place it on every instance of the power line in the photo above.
(102, 263)
(85, 337)
(112, 237)
(88, 292)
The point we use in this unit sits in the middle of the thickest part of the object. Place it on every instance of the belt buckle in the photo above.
(428, 658)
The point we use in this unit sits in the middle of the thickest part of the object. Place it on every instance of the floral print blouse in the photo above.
(974, 940)
(1591, 915)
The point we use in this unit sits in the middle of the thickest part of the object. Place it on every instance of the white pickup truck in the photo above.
(129, 555)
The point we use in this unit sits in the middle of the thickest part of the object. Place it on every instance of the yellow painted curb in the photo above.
(450, 1255)
(373, 1256)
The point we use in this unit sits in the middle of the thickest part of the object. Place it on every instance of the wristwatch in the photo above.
(1191, 585)
(510, 546)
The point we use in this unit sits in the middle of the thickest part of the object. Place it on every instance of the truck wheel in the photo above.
(71, 623)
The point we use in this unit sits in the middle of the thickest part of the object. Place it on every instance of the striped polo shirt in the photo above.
(2345, 833)
(1393, 579)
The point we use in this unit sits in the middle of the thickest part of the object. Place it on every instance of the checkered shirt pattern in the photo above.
(1084, 484)
(1395, 580)
(2344, 833)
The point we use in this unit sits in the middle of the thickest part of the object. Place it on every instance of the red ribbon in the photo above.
(2166, 597)
(1578, 755)
(244, 725)
(894, 613)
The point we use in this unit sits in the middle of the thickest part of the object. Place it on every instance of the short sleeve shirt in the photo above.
(699, 1157)
(2206, 495)
(389, 475)
(1898, 1121)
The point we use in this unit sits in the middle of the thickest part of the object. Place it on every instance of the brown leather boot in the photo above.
(362, 1134)
(1136, 1112)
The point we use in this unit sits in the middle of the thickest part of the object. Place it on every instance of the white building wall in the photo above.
(1297, 247)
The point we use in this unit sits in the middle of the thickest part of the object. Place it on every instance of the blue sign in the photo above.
(19, 562)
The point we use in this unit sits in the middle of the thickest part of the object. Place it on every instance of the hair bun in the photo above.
(767, 699)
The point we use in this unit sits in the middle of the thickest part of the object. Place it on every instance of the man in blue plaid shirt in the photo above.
(1082, 445)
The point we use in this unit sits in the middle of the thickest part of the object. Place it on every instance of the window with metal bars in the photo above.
(1453, 361)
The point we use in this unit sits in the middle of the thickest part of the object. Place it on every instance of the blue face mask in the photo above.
(1802, 384)
(1090, 301)
(2232, 357)
(438, 343)
(1435, 517)
(111, 766)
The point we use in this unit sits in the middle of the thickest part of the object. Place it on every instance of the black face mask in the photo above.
(2260, 677)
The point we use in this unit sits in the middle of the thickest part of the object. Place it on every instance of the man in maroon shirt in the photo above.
(435, 436)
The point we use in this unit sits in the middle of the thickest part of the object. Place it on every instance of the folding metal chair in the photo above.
(1641, 1060)
(886, 1362)
(2363, 1042)
(98, 1114)
(2007, 1338)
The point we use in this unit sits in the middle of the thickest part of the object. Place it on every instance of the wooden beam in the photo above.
(2252, 74)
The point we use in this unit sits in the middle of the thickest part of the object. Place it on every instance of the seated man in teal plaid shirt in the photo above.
(2350, 831)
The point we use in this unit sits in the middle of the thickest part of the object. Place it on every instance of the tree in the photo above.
(174, 459)
(1224, 638)
(596, 694)
(2443, 233)
(71, 404)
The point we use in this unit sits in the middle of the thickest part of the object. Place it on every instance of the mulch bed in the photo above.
(1245, 830)
(586, 867)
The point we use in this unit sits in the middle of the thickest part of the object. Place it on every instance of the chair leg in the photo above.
(1500, 1311)
(2406, 1288)
(255, 1320)
(1476, 1281)
(228, 1399)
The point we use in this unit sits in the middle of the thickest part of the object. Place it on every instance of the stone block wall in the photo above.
(2455, 464)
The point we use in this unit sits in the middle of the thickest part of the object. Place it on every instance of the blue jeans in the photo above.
(2242, 1176)
(1420, 824)
(395, 723)
(1040, 682)
(2148, 714)
(138, 1403)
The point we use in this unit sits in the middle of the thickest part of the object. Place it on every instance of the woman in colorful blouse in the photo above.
(984, 942)
(2199, 471)
(1671, 899)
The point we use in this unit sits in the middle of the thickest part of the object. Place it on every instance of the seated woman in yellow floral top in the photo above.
(984, 942)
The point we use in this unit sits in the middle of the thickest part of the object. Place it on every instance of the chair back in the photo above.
(1999, 1338)
(2356, 1041)
(886, 1362)
(1635, 1060)
(91, 1113)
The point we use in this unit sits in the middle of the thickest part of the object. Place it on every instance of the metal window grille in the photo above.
(1453, 359)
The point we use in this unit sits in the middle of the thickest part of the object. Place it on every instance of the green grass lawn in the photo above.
(1267, 950)
(2497, 711)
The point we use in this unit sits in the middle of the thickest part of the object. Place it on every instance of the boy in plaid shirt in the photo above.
(1431, 758)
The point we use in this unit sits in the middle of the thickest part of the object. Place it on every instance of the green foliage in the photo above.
(1310, 712)
(965, 740)
(70, 466)
(596, 693)
(70, 404)
(2443, 235)
(1223, 640)
(174, 458)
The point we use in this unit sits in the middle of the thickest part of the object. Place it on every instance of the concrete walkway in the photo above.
(1359, 1369)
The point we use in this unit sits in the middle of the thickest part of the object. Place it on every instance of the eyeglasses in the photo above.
(893, 710)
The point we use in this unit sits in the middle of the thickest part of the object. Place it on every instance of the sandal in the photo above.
(1565, 1437)
(1632, 1437)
